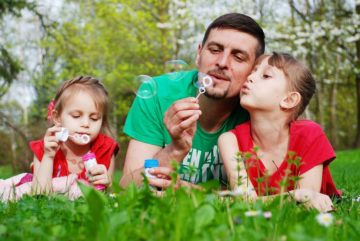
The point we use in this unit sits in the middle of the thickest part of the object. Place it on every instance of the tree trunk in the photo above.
(319, 117)
(333, 124)
(13, 152)
(357, 139)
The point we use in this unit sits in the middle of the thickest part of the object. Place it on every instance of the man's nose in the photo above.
(223, 60)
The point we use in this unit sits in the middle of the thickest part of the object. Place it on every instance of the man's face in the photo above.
(228, 57)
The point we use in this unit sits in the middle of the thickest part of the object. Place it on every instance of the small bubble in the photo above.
(175, 69)
(144, 86)
(203, 80)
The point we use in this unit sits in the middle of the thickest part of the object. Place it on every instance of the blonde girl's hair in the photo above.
(299, 77)
(94, 88)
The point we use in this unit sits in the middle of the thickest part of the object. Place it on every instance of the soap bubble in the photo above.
(84, 138)
(175, 69)
(204, 81)
(144, 86)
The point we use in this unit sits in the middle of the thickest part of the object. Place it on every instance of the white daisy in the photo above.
(252, 213)
(357, 199)
(325, 219)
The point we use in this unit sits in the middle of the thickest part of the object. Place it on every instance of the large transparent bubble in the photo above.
(175, 69)
(144, 86)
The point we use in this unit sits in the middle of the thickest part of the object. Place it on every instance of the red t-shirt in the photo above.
(308, 147)
(104, 148)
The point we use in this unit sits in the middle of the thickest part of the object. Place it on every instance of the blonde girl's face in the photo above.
(265, 88)
(80, 116)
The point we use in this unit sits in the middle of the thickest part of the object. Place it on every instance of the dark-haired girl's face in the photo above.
(265, 88)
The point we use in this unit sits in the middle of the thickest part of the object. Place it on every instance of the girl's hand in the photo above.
(51, 144)
(99, 175)
(314, 199)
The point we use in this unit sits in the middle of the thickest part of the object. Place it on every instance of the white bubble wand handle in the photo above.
(202, 90)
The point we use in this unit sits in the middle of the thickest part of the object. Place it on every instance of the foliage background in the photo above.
(43, 43)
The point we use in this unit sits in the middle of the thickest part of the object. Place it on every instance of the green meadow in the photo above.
(136, 214)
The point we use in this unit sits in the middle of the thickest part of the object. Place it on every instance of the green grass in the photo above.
(135, 214)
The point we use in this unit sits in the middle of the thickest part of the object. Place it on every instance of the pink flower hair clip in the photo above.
(51, 107)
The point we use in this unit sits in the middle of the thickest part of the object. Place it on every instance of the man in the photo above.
(175, 126)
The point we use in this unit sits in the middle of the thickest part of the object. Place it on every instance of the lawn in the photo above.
(135, 214)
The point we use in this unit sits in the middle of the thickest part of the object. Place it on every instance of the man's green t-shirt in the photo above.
(145, 123)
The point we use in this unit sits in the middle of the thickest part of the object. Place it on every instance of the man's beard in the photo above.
(216, 95)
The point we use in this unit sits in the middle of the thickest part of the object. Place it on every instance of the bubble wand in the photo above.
(206, 82)
(63, 136)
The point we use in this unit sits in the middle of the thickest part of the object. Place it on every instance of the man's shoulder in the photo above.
(174, 84)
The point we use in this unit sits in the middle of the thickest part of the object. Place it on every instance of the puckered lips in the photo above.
(82, 133)
(244, 89)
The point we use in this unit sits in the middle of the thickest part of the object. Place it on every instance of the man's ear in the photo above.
(197, 58)
(55, 117)
(290, 101)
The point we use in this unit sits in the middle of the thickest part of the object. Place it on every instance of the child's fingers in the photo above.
(52, 130)
(51, 139)
(98, 169)
(100, 179)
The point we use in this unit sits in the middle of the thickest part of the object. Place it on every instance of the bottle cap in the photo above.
(100, 187)
(88, 156)
(149, 163)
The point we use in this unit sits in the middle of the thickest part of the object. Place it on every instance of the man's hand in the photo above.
(180, 121)
(164, 180)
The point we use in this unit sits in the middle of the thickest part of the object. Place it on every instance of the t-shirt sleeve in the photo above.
(145, 121)
(37, 147)
(318, 151)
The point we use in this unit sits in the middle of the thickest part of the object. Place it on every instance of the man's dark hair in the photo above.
(241, 23)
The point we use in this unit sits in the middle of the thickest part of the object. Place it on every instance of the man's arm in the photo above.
(136, 153)
(180, 120)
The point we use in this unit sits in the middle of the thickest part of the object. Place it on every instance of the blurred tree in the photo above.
(9, 66)
(323, 34)
(11, 121)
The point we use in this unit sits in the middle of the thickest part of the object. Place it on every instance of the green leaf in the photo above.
(203, 217)
(3, 229)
